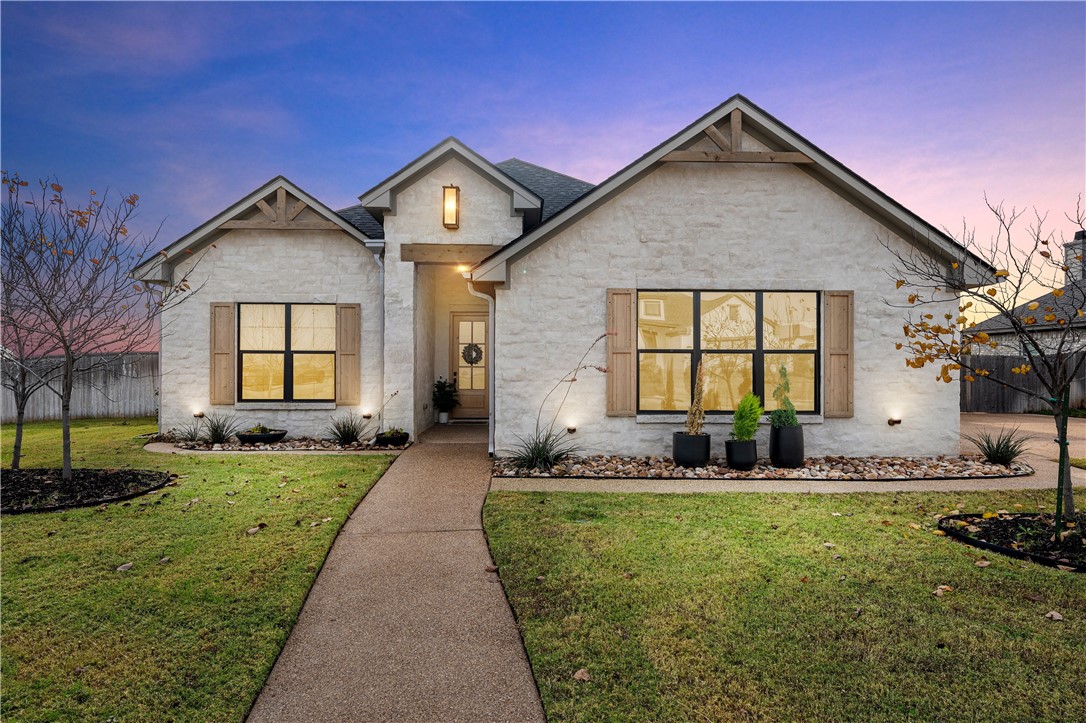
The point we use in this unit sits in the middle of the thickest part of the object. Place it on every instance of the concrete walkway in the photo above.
(404, 623)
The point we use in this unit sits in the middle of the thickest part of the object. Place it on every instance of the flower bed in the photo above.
(831, 468)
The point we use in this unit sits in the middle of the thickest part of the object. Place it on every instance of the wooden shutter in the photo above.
(223, 369)
(622, 352)
(838, 320)
(348, 354)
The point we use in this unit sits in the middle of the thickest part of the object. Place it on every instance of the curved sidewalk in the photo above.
(404, 623)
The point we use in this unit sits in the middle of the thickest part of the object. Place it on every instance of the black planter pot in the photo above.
(391, 440)
(741, 455)
(270, 437)
(690, 450)
(786, 446)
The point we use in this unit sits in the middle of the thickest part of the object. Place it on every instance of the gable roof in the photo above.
(363, 220)
(556, 189)
(1065, 306)
(382, 197)
(777, 136)
(155, 268)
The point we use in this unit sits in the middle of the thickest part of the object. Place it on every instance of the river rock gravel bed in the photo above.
(824, 468)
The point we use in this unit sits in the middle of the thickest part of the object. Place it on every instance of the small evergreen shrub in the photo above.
(745, 419)
(1002, 448)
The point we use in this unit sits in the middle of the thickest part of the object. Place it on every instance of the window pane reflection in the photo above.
(262, 376)
(262, 327)
(313, 327)
(665, 320)
(791, 320)
(727, 378)
(728, 321)
(314, 376)
(801, 377)
(665, 381)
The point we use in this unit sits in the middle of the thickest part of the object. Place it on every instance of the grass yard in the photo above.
(192, 638)
(732, 607)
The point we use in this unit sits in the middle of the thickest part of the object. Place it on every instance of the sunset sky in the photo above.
(194, 105)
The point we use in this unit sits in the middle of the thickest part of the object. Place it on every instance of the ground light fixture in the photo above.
(450, 206)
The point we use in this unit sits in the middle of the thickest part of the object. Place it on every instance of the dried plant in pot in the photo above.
(785, 434)
(690, 448)
(742, 450)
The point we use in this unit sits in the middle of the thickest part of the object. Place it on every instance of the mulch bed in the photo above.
(1023, 535)
(301, 444)
(45, 490)
(814, 468)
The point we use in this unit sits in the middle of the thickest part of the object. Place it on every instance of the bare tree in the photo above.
(70, 278)
(1048, 333)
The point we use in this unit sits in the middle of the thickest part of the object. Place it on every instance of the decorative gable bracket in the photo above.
(282, 216)
(731, 151)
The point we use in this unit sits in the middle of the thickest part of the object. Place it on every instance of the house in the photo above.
(735, 242)
(1059, 305)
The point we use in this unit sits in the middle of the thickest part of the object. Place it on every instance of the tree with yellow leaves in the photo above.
(1021, 267)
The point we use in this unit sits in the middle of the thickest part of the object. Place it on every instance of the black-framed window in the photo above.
(742, 338)
(287, 352)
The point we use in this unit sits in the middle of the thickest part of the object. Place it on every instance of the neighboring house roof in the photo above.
(556, 189)
(382, 197)
(778, 137)
(156, 267)
(1065, 306)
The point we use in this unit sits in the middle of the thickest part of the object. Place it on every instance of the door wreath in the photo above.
(473, 354)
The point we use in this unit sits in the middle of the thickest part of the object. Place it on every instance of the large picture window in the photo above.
(287, 352)
(743, 338)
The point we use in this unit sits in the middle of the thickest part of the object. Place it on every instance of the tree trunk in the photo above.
(66, 414)
(17, 452)
(1059, 413)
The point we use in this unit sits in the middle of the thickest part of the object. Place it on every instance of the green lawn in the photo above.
(188, 639)
(732, 607)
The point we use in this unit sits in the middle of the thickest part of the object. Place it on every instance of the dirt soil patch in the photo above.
(1024, 535)
(43, 489)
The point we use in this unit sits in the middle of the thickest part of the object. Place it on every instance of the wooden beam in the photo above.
(281, 204)
(737, 130)
(296, 209)
(268, 210)
(737, 157)
(446, 253)
(718, 138)
(288, 225)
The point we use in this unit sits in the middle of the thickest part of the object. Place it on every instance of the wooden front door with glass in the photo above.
(470, 355)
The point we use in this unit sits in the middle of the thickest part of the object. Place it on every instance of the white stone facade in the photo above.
(712, 226)
(271, 267)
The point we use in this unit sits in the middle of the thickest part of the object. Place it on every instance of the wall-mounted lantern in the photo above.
(450, 206)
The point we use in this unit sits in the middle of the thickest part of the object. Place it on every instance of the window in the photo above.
(741, 337)
(287, 352)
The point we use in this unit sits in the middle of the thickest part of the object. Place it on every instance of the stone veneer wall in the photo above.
(416, 297)
(275, 267)
(713, 226)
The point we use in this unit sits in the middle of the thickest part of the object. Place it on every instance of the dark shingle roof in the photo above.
(556, 189)
(1064, 307)
(362, 220)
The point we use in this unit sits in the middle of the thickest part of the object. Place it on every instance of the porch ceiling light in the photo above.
(450, 206)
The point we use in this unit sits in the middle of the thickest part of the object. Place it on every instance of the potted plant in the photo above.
(741, 450)
(785, 434)
(261, 435)
(690, 448)
(394, 437)
(446, 398)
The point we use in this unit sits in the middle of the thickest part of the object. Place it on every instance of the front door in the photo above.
(470, 355)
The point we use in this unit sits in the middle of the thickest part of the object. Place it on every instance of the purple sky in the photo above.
(194, 105)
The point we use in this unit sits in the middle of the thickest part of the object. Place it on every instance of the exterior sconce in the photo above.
(367, 415)
(571, 429)
(450, 206)
(198, 415)
(893, 422)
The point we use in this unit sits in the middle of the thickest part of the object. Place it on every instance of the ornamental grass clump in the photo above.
(347, 428)
(219, 428)
(1002, 448)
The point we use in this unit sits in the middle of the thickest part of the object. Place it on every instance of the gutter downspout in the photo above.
(490, 303)
(379, 257)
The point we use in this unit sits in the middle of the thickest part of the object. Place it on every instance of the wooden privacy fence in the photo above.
(126, 386)
(984, 395)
